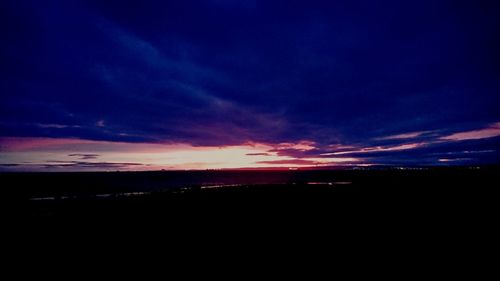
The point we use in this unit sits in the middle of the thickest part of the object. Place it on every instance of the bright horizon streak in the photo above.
(54, 154)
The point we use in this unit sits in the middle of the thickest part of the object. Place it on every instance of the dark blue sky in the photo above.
(393, 82)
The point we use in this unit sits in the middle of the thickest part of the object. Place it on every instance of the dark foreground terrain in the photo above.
(203, 195)
(194, 216)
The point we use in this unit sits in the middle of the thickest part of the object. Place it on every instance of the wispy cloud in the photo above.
(489, 132)
(313, 161)
(84, 156)
(300, 162)
(403, 136)
(461, 152)
(84, 165)
(301, 146)
(10, 165)
(454, 159)
(73, 166)
(13, 144)
(399, 147)
(57, 126)
(100, 123)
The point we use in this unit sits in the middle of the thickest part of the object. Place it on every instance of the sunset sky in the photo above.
(209, 84)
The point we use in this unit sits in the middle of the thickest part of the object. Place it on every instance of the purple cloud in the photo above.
(84, 156)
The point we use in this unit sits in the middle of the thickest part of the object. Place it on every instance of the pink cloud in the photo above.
(489, 132)
(403, 136)
(54, 153)
(312, 161)
(18, 150)
(30, 144)
(300, 162)
(19, 144)
(380, 149)
(453, 159)
(302, 145)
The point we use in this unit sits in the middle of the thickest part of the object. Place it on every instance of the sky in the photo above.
(210, 84)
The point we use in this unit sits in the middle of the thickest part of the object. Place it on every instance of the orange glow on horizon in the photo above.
(67, 154)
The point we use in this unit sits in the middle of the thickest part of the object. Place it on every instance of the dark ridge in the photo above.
(199, 193)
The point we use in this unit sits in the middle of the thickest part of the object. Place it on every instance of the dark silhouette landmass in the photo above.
(179, 194)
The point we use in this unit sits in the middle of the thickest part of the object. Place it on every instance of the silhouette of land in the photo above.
(177, 194)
